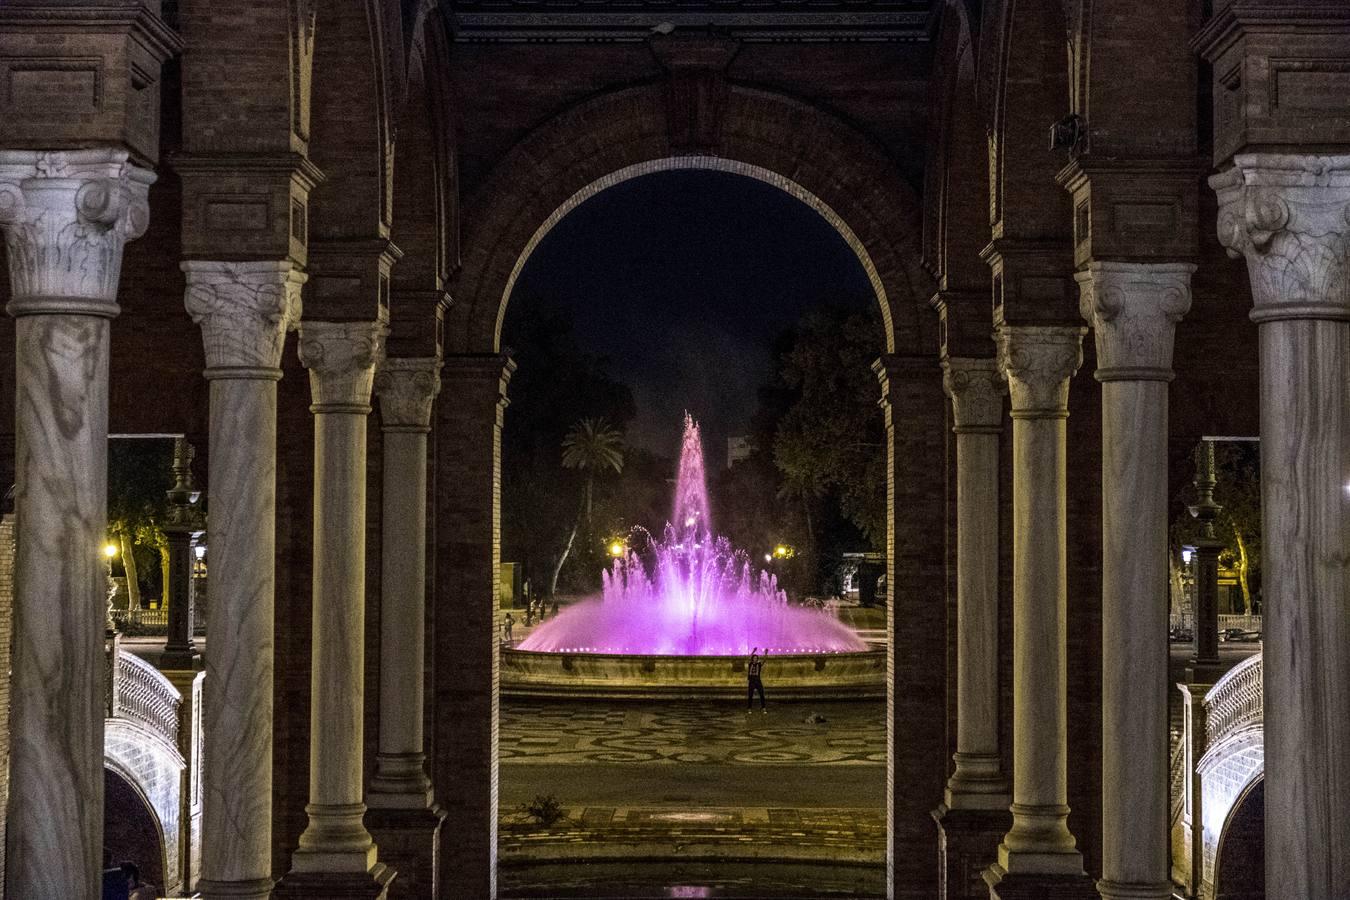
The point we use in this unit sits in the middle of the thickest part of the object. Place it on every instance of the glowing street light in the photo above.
(783, 551)
(616, 548)
(109, 550)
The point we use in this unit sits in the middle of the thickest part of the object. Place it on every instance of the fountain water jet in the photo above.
(690, 594)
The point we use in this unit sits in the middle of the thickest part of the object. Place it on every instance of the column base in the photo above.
(1118, 890)
(968, 842)
(408, 841)
(260, 889)
(372, 885)
(1028, 886)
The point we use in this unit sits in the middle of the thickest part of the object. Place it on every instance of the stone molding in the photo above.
(407, 387)
(976, 388)
(341, 358)
(244, 310)
(66, 215)
(1133, 308)
(1038, 361)
(1289, 216)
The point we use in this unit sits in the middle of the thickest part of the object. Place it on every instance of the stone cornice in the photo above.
(1133, 309)
(1165, 168)
(1038, 361)
(244, 310)
(295, 165)
(1226, 26)
(341, 358)
(95, 17)
(1289, 216)
(66, 216)
(976, 388)
(406, 387)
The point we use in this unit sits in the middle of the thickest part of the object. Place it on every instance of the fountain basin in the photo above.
(827, 676)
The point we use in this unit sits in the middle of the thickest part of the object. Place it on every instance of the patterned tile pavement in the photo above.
(535, 733)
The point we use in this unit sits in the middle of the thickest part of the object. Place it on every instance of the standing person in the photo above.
(507, 624)
(137, 889)
(753, 670)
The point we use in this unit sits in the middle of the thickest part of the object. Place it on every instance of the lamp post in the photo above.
(1206, 666)
(184, 522)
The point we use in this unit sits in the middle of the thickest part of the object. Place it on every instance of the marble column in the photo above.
(406, 388)
(404, 817)
(66, 216)
(1133, 309)
(341, 358)
(1038, 361)
(976, 388)
(245, 310)
(1289, 216)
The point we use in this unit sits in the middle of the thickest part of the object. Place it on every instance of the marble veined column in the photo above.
(976, 388)
(1133, 309)
(1289, 216)
(66, 216)
(245, 310)
(341, 358)
(406, 388)
(1038, 361)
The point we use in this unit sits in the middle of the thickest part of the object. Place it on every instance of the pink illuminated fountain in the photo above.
(694, 595)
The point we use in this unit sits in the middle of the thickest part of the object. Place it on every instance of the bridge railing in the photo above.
(142, 694)
(1235, 701)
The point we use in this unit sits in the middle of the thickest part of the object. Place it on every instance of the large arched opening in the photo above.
(818, 161)
(131, 831)
(1240, 870)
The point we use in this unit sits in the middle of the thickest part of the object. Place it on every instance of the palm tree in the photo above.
(593, 446)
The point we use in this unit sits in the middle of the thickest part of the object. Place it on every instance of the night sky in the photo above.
(683, 280)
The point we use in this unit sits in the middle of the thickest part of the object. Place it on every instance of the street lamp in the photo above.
(616, 548)
(109, 551)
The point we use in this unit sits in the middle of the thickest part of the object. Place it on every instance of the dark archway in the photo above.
(825, 163)
(131, 833)
(1240, 870)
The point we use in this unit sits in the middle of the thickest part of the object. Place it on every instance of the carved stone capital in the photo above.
(341, 358)
(1133, 309)
(406, 387)
(976, 388)
(244, 310)
(1289, 215)
(1038, 361)
(66, 215)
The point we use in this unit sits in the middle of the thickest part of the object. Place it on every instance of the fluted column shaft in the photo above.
(66, 217)
(976, 388)
(1133, 309)
(1290, 217)
(245, 310)
(1038, 362)
(341, 358)
(406, 389)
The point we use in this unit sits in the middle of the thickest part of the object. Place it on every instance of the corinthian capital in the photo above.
(406, 388)
(1133, 309)
(976, 388)
(66, 216)
(1038, 361)
(244, 310)
(341, 358)
(1289, 215)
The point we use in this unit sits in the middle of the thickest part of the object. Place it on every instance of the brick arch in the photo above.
(803, 150)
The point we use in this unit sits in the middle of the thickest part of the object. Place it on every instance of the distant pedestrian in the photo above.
(137, 889)
(753, 669)
(507, 624)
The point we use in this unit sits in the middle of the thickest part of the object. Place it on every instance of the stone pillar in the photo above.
(974, 811)
(1133, 309)
(66, 217)
(1289, 215)
(244, 310)
(1206, 666)
(1038, 850)
(180, 651)
(336, 856)
(469, 416)
(404, 817)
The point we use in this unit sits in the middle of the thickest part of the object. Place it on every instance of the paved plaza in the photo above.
(692, 799)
